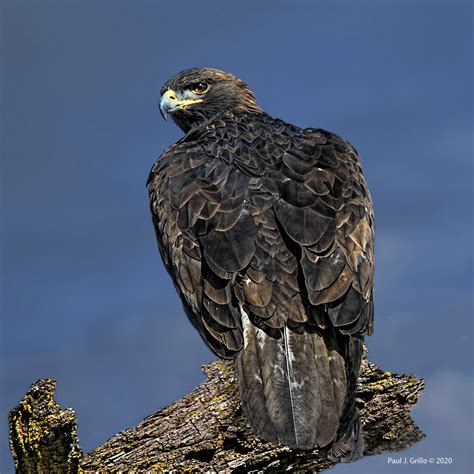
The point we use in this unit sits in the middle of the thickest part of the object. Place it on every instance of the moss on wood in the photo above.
(204, 431)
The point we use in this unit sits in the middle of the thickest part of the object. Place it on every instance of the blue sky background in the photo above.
(85, 298)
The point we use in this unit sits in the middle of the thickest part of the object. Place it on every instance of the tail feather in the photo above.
(349, 444)
(329, 377)
(252, 388)
(294, 387)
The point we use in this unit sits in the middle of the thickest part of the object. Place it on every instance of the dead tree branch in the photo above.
(203, 431)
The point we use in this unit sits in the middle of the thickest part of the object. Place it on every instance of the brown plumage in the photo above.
(267, 232)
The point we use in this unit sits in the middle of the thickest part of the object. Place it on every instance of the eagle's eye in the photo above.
(199, 87)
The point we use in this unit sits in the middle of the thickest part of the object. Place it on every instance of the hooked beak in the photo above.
(171, 101)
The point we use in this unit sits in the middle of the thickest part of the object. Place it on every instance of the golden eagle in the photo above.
(267, 232)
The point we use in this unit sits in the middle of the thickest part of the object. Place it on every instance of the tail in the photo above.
(298, 387)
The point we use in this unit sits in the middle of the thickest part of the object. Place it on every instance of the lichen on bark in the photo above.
(203, 431)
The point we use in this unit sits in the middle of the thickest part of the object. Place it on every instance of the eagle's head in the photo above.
(196, 96)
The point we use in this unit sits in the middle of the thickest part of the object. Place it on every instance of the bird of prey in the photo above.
(267, 232)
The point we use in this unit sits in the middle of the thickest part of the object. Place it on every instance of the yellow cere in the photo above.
(171, 95)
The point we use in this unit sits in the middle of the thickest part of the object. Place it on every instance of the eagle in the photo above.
(267, 232)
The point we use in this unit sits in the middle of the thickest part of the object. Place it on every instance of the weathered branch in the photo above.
(43, 436)
(204, 431)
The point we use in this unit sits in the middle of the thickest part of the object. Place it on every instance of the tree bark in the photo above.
(205, 431)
